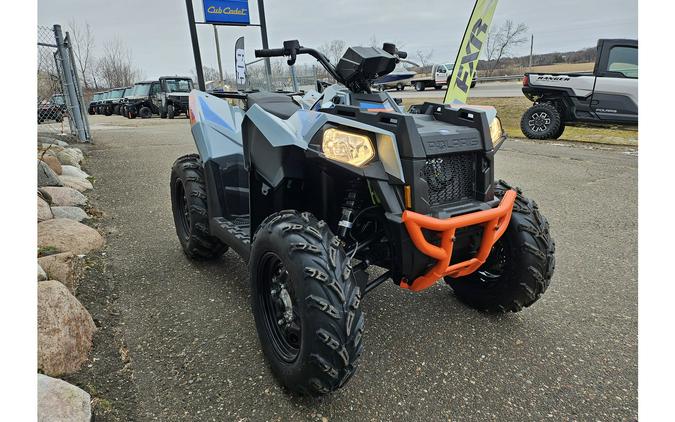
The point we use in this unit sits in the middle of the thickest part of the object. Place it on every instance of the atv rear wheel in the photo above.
(520, 266)
(541, 121)
(190, 215)
(305, 302)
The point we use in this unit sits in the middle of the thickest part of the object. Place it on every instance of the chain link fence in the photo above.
(282, 79)
(60, 105)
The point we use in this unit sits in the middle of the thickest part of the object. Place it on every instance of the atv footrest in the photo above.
(236, 233)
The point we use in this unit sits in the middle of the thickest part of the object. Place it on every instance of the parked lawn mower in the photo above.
(312, 193)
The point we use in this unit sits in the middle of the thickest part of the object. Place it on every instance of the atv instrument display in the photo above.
(314, 190)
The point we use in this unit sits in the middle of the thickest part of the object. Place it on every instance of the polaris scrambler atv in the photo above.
(140, 102)
(172, 99)
(606, 97)
(312, 193)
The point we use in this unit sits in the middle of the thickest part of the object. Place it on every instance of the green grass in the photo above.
(511, 109)
(47, 250)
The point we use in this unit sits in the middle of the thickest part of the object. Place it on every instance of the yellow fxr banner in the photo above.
(469, 50)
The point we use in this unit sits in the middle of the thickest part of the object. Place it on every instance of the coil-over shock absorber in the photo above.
(349, 208)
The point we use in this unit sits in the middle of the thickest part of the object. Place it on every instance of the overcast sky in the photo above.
(157, 34)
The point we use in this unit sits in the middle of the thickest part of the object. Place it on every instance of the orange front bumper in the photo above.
(494, 223)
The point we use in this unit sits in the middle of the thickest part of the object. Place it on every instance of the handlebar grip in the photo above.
(269, 52)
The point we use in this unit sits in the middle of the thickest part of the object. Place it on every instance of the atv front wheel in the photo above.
(190, 215)
(541, 121)
(520, 266)
(305, 303)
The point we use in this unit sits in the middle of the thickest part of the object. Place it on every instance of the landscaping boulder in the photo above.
(64, 196)
(65, 330)
(51, 148)
(73, 213)
(76, 183)
(52, 141)
(77, 152)
(73, 172)
(68, 157)
(60, 267)
(43, 210)
(68, 236)
(46, 176)
(42, 275)
(59, 401)
(53, 163)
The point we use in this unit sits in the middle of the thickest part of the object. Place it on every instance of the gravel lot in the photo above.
(177, 338)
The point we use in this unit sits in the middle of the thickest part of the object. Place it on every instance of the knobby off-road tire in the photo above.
(541, 121)
(325, 301)
(145, 112)
(520, 266)
(188, 203)
(560, 131)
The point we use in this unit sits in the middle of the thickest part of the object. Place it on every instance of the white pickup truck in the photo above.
(439, 76)
(608, 96)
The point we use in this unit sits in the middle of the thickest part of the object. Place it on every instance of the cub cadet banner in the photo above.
(469, 50)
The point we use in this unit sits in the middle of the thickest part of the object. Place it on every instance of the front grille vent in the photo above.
(450, 178)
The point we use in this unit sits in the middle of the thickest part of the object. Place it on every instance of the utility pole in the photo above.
(265, 43)
(220, 65)
(195, 45)
(531, 49)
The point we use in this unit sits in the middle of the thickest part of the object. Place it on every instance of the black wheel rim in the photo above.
(491, 273)
(539, 121)
(183, 209)
(281, 320)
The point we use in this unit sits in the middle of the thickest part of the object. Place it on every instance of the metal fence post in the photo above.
(78, 88)
(69, 85)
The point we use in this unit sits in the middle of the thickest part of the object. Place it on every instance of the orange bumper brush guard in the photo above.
(494, 221)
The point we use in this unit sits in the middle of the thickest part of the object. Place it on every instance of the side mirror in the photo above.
(398, 101)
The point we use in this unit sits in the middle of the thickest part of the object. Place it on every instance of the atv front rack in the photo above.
(494, 221)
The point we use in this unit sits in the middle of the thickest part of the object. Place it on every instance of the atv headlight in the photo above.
(496, 130)
(347, 147)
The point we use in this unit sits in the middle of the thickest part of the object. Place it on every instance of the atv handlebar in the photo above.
(292, 49)
(269, 52)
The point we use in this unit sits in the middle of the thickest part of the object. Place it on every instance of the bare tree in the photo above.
(333, 50)
(424, 59)
(82, 38)
(115, 68)
(500, 43)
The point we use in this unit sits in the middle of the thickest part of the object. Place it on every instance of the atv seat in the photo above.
(280, 105)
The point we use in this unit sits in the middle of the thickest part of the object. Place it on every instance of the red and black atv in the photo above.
(314, 190)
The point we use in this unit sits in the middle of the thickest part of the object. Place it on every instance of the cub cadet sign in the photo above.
(227, 11)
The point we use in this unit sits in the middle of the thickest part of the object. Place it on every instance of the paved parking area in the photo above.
(193, 353)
